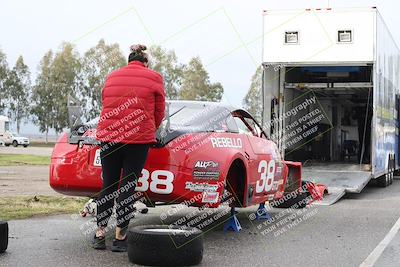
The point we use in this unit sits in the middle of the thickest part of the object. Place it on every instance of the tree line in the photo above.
(65, 73)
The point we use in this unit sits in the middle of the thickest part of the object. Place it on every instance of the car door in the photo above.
(265, 163)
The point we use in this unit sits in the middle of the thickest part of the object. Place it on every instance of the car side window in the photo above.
(231, 124)
(254, 125)
(243, 128)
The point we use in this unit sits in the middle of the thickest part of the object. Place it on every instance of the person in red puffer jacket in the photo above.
(133, 100)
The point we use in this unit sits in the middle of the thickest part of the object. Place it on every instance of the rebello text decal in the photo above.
(226, 142)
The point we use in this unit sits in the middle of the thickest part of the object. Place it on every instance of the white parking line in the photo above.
(377, 252)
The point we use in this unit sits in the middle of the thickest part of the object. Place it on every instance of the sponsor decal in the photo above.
(207, 170)
(210, 197)
(205, 164)
(226, 142)
(277, 184)
(201, 187)
(206, 175)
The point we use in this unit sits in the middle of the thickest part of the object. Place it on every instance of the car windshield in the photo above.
(15, 135)
(192, 116)
(197, 117)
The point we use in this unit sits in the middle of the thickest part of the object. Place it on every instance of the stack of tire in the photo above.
(3, 236)
(162, 245)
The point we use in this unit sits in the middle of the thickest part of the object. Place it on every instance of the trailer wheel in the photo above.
(383, 181)
(163, 245)
(3, 236)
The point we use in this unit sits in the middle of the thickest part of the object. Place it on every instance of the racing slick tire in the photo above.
(299, 199)
(163, 245)
(3, 236)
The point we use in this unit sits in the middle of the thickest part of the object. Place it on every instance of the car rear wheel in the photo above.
(15, 143)
(3, 236)
(163, 245)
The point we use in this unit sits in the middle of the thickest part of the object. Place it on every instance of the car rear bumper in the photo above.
(66, 178)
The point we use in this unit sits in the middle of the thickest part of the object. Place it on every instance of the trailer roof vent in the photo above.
(292, 37)
(345, 36)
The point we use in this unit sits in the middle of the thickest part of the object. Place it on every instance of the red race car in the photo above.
(204, 149)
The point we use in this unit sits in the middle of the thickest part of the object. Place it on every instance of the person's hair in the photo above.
(138, 54)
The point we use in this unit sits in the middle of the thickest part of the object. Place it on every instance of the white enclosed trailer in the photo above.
(331, 94)
(4, 124)
(4, 127)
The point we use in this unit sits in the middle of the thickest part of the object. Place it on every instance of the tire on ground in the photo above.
(298, 197)
(161, 245)
(3, 236)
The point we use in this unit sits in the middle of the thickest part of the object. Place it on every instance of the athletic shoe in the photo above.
(99, 242)
(119, 245)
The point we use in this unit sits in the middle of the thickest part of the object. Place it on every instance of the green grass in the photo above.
(17, 160)
(22, 207)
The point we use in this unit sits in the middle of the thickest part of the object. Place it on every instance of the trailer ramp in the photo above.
(339, 178)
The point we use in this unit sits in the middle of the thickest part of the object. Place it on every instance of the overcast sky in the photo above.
(215, 30)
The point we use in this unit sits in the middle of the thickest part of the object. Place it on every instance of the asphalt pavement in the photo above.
(343, 234)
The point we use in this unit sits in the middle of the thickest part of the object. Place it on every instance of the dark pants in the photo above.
(130, 159)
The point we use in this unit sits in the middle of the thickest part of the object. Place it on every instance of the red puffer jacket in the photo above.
(133, 100)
